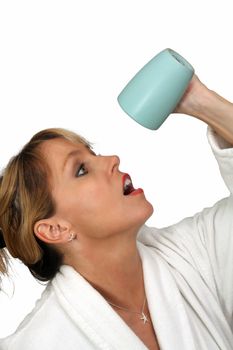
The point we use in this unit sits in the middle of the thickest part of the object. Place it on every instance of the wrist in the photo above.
(213, 107)
(218, 113)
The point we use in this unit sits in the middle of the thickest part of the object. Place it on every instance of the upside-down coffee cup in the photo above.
(155, 91)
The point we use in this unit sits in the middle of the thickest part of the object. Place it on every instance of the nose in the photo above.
(113, 163)
(108, 164)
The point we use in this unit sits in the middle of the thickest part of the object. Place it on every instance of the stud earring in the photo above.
(71, 237)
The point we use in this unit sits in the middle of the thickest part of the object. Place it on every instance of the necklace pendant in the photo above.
(144, 318)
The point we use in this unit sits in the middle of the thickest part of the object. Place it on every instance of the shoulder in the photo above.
(175, 242)
(37, 323)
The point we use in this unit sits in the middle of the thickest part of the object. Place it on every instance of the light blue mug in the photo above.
(155, 91)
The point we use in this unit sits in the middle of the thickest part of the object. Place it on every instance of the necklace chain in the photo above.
(143, 316)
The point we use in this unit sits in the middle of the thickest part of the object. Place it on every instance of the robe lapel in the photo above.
(165, 303)
(92, 314)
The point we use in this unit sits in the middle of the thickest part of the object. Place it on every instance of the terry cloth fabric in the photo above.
(188, 278)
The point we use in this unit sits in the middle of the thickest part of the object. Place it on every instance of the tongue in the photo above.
(128, 190)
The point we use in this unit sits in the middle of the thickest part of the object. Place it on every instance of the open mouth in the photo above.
(127, 185)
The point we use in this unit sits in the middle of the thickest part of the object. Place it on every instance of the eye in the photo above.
(81, 170)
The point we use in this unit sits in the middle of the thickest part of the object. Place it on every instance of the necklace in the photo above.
(143, 316)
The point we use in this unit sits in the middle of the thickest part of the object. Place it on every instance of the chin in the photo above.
(150, 211)
(145, 213)
(149, 208)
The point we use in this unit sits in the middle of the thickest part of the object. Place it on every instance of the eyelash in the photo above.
(83, 166)
(78, 170)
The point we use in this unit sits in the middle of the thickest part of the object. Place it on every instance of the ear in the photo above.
(52, 231)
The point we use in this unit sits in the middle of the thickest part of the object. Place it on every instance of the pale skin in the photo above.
(93, 206)
(206, 105)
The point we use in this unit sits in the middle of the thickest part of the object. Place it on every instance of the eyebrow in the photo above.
(73, 154)
(69, 156)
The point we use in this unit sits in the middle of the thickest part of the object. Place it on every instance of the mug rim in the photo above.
(180, 59)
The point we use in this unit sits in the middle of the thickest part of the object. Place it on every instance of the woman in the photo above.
(75, 220)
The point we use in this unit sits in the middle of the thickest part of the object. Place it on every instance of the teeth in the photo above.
(128, 186)
(127, 183)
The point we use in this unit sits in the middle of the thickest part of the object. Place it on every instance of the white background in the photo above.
(63, 64)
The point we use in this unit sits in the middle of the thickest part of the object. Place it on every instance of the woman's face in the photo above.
(88, 191)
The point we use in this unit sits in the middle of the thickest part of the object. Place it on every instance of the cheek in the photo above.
(99, 212)
(86, 203)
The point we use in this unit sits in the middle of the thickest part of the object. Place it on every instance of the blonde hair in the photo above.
(25, 198)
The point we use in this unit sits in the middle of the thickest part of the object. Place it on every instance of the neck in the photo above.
(114, 269)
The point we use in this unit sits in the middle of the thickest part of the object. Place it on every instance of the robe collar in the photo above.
(106, 329)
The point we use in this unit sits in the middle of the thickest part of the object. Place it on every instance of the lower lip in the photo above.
(138, 191)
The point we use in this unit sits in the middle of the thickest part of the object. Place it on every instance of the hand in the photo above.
(194, 98)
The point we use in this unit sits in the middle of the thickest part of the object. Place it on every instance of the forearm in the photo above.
(218, 113)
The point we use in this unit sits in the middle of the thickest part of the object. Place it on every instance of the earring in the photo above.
(71, 237)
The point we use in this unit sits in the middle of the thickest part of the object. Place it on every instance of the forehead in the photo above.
(60, 147)
(55, 152)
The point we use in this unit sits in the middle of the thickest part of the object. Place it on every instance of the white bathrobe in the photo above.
(188, 275)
